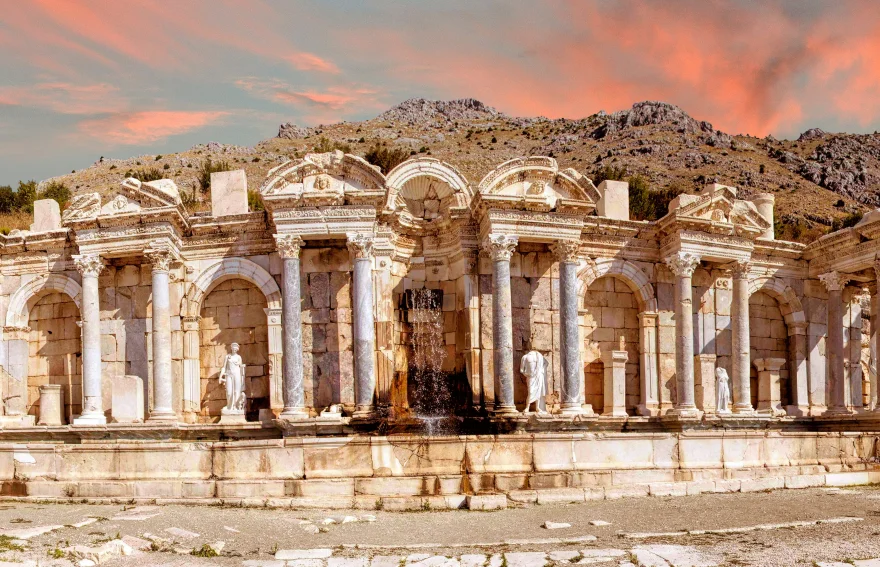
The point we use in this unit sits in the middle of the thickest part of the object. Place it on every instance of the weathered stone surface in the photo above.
(229, 193)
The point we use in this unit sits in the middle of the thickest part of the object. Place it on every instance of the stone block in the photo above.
(761, 484)
(128, 399)
(486, 501)
(337, 457)
(229, 193)
(614, 200)
(560, 495)
(47, 215)
(489, 454)
(270, 459)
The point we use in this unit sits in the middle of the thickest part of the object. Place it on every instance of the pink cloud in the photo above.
(311, 62)
(337, 98)
(138, 128)
(65, 98)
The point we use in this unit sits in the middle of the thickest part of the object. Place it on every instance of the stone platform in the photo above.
(405, 471)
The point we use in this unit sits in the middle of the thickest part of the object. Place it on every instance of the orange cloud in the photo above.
(65, 98)
(311, 62)
(337, 98)
(137, 128)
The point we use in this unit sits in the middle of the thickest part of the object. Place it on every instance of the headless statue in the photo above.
(534, 367)
(722, 392)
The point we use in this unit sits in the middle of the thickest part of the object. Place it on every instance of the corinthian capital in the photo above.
(360, 245)
(88, 264)
(566, 250)
(160, 258)
(740, 268)
(683, 264)
(289, 245)
(834, 281)
(500, 246)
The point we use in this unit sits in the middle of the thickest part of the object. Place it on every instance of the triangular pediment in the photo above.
(720, 209)
(146, 195)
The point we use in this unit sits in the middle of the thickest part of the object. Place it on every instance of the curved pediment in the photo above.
(717, 211)
(539, 179)
(327, 178)
(426, 193)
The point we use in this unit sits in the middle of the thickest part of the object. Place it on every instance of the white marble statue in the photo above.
(232, 374)
(722, 392)
(534, 367)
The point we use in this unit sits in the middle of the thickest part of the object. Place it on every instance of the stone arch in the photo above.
(784, 294)
(518, 176)
(412, 169)
(226, 269)
(29, 293)
(191, 304)
(626, 271)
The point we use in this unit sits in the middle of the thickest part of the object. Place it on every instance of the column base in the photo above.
(364, 412)
(230, 418)
(294, 414)
(744, 410)
(648, 410)
(576, 409)
(90, 419)
(162, 416)
(841, 411)
(616, 412)
(797, 411)
(505, 411)
(684, 414)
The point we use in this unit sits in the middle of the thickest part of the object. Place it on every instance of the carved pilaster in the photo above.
(289, 245)
(566, 250)
(360, 245)
(683, 264)
(88, 264)
(500, 246)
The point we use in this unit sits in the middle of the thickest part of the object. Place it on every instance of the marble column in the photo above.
(682, 265)
(364, 328)
(289, 246)
(834, 283)
(566, 252)
(800, 390)
(161, 334)
(500, 248)
(739, 341)
(89, 266)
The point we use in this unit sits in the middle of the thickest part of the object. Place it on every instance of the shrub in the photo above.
(647, 204)
(387, 159)
(847, 221)
(206, 169)
(610, 173)
(58, 191)
(144, 175)
(255, 201)
(325, 145)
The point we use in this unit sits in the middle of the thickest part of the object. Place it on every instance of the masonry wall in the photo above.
(55, 352)
(769, 339)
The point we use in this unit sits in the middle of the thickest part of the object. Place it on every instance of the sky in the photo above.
(81, 79)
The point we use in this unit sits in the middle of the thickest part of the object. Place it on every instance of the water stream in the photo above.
(432, 398)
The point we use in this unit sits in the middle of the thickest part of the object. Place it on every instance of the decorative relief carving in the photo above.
(834, 281)
(740, 269)
(289, 245)
(360, 245)
(500, 246)
(683, 264)
(566, 250)
(82, 206)
(88, 264)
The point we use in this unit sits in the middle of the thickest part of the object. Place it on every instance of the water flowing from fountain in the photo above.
(433, 402)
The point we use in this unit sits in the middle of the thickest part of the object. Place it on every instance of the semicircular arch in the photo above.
(782, 293)
(20, 303)
(623, 270)
(227, 269)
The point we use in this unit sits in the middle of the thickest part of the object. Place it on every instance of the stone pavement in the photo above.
(783, 528)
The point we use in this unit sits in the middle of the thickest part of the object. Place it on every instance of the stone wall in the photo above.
(327, 327)
(55, 352)
(234, 312)
(611, 314)
(769, 339)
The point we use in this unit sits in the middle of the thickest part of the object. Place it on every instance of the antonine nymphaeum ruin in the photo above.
(389, 331)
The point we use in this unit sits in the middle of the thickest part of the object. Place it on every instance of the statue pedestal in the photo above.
(615, 383)
(231, 417)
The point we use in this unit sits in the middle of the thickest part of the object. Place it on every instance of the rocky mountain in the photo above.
(820, 180)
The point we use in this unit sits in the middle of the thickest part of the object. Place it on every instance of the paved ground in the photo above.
(793, 532)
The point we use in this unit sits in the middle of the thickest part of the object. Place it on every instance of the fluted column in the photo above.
(162, 377)
(289, 246)
(834, 283)
(739, 340)
(361, 248)
(566, 252)
(89, 266)
(683, 264)
(500, 248)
